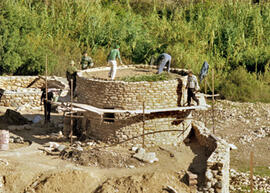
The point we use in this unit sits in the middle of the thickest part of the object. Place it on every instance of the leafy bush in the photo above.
(241, 85)
(224, 33)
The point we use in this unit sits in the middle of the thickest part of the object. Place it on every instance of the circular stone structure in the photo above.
(114, 94)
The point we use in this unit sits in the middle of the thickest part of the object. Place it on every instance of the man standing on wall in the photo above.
(112, 61)
(192, 86)
(162, 61)
(71, 73)
(86, 61)
(47, 103)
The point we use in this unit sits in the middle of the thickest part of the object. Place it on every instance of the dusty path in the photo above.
(25, 165)
(30, 170)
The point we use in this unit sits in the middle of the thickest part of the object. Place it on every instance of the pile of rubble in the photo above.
(257, 134)
(228, 111)
(16, 139)
(241, 181)
(142, 155)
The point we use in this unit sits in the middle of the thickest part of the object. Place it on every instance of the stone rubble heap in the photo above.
(142, 155)
(15, 139)
(240, 181)
(254, 135)
(228, 111)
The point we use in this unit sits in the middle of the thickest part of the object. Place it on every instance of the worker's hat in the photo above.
(72, 62)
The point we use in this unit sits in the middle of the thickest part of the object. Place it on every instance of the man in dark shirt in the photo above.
(162, 61)
(47, 104)
(86, 61)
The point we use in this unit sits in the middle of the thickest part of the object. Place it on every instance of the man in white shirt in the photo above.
(192, 86)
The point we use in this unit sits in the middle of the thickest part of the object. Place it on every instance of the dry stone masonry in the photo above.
(18, 91)
(218, 164)
(123, 95)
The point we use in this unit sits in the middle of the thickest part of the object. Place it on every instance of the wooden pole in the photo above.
(213, 99)
(46, 89)
(71, 118)
(205, 92)
(251, 171)
(143, 123)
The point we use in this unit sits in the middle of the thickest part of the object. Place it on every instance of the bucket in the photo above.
(4, 139)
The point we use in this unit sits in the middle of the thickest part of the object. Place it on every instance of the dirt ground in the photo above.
(97, 170)
(126, 73)
(102, 170)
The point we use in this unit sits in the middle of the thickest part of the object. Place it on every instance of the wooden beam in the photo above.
(147, 111)
(209, 95)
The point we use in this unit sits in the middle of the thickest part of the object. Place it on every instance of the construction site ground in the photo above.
(29, 169)
(32, 170)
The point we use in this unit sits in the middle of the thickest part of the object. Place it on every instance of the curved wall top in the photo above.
(115, 94)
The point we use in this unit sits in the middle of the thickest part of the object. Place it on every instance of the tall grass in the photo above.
(227, 34)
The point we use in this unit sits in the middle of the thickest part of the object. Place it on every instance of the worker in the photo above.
(71, 73)
(204, 71)
(162, 61)
(192, 86)
(47, 103)
(86, 61)
(111, 59)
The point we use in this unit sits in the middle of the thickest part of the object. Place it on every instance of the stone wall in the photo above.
(25, 91)
(17, 82)
(130, 95)
(16, 94)
(126, 127)
(29, 97)
(218, 164)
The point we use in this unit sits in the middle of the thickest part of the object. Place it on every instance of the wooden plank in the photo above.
(147, 111)
(209, 95)
(88, 108)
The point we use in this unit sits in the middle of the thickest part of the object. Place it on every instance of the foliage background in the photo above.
(233, 36)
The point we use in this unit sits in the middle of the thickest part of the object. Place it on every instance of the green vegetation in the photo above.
(149, 78)
(234, 37)
(258, 170)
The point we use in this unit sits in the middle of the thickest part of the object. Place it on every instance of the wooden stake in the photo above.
(143, 123)
(71, 118)
(205, 92)
(251, 171)
(46, 90)
(213, 99)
